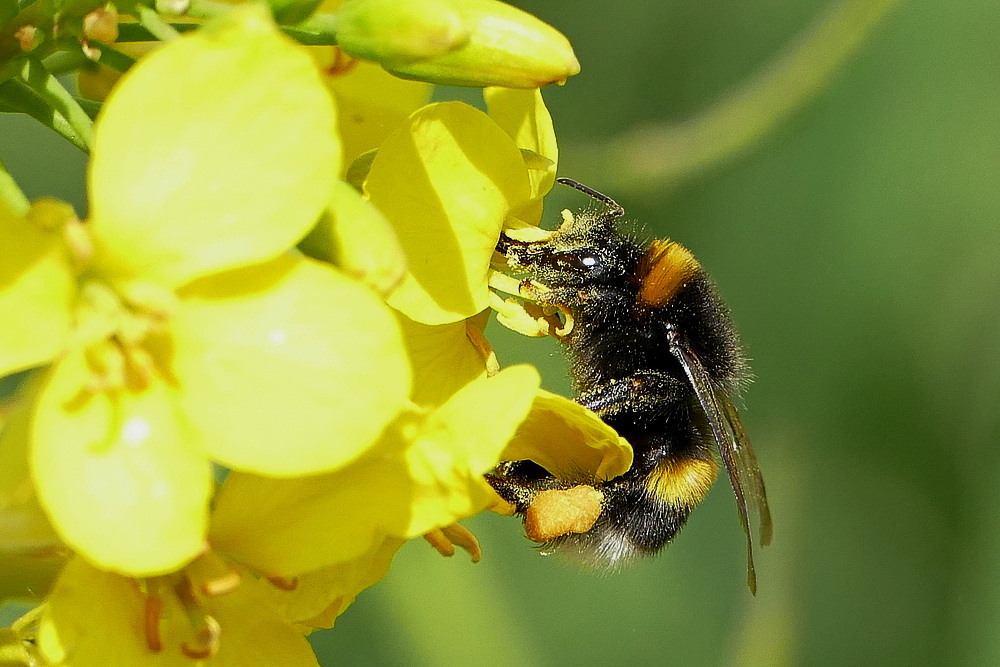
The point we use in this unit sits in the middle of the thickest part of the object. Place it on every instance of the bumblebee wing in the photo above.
(734, 448)
(746, 464)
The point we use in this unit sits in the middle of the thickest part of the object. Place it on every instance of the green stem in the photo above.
(665, 154)
(90, 107)
(207, 9)
(18, 96)
(11, 69)
(322, 27)
(11, 194)
(48, 88)
(136, 32)
(112, 57)
(155, 24)
(316, 31)
(64, 62)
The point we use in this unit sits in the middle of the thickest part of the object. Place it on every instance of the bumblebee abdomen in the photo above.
(641, 512)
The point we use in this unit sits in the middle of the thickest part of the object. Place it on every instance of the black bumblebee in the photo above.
(655, 354)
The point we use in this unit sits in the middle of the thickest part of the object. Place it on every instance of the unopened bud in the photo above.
(457, 42)
(399, 30)
(101, 24)
(28, 37)
(290, 12)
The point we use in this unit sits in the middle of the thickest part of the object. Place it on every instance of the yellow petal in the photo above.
(522, 115)
(117, 474)
(286, 368)
(289, 527)
(255, 632)
(566, 439)
(371, 103)
(36, 293)
(443, 358)
(213, 152)
(459, 442)
(23, 524)
(446, 181)
(325, 594)
(93, 619)
(478, 420)
(356, 237)
(424, 475)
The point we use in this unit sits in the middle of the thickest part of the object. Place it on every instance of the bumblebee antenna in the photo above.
(615, 209)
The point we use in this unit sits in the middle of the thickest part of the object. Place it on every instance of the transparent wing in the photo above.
(734, 448)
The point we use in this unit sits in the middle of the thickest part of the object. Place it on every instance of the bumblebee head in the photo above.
(587, 249)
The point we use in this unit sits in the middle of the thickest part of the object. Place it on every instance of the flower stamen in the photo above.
(478, 340)
(207, 632)
(440, 543)
(152, 609)
(283, 583)
(227, 583)
(463, 537)
(208, 637)
(342, 63)
(445, 539)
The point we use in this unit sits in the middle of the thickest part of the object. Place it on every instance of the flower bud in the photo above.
(399, 30)
(290, 12)
(457, 42)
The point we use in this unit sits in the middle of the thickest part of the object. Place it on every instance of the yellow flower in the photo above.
(179, 328)
(35, 276)
(456, 42)
(370, 101)
(102, 619)
(193, 322)
(446, 181)
(30, 549)
(425, 473)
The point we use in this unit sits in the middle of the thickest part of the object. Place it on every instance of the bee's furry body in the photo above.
(643, 313)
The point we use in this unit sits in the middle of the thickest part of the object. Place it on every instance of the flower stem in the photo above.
(112, 57)
(668, 153)
(17, 96)
(207, 9)
(64, 62)
(155, 24)
(317, 30)
(321, 28)
(136, 32)
(11, 194)
(58, 99)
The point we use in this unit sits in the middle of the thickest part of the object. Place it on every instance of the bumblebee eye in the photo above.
(584, 260)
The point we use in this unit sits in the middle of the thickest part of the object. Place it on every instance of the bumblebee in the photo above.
(655, 355)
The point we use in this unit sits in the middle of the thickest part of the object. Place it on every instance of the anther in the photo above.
(283, 583)
(152, 608)
(208, 637)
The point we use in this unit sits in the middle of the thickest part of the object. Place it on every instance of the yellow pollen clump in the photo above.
(558, 512)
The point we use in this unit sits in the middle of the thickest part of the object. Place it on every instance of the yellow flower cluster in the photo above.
(259, 367)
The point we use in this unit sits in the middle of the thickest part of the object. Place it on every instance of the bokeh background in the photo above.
(857, 242)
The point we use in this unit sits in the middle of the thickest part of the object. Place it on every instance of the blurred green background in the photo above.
(858, 246)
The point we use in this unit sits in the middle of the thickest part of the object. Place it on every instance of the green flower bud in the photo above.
(290, 12)
(399, 30)
(456, 42)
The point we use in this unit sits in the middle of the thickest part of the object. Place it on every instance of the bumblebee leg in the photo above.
(518, 482)
(641, 391)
